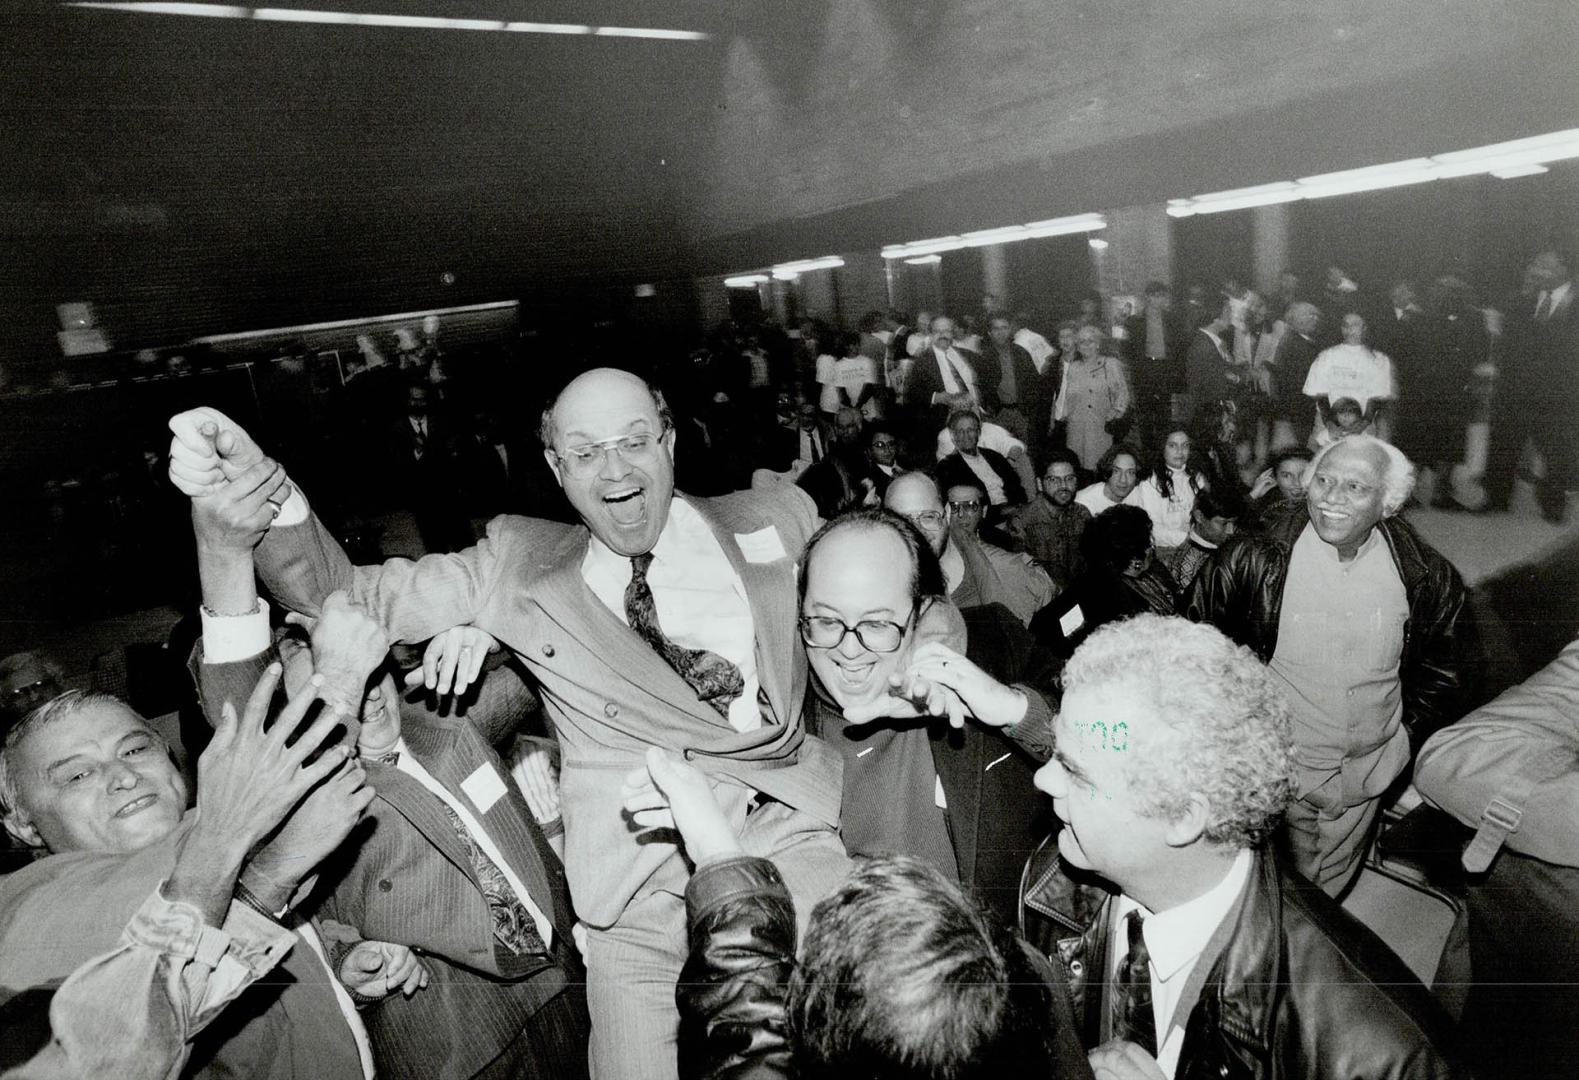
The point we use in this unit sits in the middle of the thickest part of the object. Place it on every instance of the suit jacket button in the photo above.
(385, 885)
(548, 650)
(611, 710)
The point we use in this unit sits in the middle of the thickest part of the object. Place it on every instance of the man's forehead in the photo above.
(607, 401)
(874, 558)
(1096, 722)
(82, 730)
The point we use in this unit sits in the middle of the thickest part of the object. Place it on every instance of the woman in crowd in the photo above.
(1281, 485)
(1353, 370)
(1095, 396)
(1168, 493)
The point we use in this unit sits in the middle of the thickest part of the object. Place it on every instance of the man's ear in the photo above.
(1189, 826)
(668, 443)
(553, 466)
(24, 830)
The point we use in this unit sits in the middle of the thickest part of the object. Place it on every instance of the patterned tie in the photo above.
(512, 923)
(715, 680)
(1132, 1016)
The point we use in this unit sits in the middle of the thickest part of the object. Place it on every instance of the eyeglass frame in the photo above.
(604, 446)
(915, 519)
(961, 506)
(847, 629)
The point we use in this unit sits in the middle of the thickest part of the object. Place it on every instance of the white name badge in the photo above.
(483, 787)
(761, 546)
(1071, 620)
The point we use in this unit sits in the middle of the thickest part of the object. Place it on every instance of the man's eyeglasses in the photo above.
(964, 505)
(930, 519)
(822, 632)
(588, 458)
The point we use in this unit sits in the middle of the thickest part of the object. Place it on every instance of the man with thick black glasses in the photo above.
(959, 797)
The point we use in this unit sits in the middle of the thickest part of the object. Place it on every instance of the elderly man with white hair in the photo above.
(1366, 626)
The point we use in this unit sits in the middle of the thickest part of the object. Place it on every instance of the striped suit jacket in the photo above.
(608, 693)
(405, 877)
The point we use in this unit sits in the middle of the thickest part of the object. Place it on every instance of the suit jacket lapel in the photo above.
(581, 614)
(452, 754)
(773, 622)
(406, 795)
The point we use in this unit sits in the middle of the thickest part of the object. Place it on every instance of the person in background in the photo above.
(975, 572)
(1049, 527)
(1280, 487)
(1094, 400)
(1024, 403)
(1442, 390)
(839, 481)
(972, 463)
(1122, 577)
(882, 456)
(1168, 493)
(1353, 370)
(1296, 350)
(1119, 471)
(1213, 520)
(1172, 761)
(1155, 343)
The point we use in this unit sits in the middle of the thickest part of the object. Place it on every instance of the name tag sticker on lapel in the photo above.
(763, 545)
(483, 787)
(1071, 620)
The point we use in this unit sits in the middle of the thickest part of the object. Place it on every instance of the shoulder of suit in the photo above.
(786, 507)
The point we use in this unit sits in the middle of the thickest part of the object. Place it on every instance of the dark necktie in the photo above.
(1543, 309)
(715, 680)
(512, 923)
(1132, 1016)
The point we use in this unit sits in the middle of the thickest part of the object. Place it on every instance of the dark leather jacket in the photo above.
(1302, 989)
(733, 989)
(1240, 592)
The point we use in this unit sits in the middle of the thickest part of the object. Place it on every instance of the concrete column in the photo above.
(1270, 244)
(1140, 249)
(995, 273)
(712, 301)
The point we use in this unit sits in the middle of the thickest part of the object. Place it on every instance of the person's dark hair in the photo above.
(1228, 504)
(1158, 288)
(1287, 454)
(545, 426)
(874, 428)
(972, 483)
(1162, 476)
(926, 576)
(871, 322)
(1063, 454)
(902, 976)
(846, 343)
(1105, 463)
(1116, 537)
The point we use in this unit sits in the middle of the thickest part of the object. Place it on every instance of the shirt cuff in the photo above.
(228, 638)
(294, 510)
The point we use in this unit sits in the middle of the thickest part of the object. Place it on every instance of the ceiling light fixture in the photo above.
(1517, 171)
(358, 18)
(1006, 234)
(745, 281)
(792, 268)
(924, 260)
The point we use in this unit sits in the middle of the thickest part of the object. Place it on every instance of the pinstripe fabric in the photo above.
(409, 880)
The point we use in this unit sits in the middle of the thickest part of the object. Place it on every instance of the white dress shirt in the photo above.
(994, 437)
(1039, 347)
(408, 764)
(956, 372)
(700, 600)
(1175, 939)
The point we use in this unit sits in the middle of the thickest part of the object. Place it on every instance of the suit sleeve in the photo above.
(302, 564)
(1526, 741)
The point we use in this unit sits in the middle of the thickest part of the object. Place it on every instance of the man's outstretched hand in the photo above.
(208, 449)
(668, 793)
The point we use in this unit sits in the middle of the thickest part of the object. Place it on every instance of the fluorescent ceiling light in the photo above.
(785, 275)
(793, 268)
(643, 32)
(1005, 234)
(1097, 244)
(546, 28)
(745, 281)
(210, 11)
(1519, 170)
(924, 260)
(409, 22)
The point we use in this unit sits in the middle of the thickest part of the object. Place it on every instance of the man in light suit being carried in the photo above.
(659, 620)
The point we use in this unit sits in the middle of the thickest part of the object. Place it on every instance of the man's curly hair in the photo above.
(1225, 723)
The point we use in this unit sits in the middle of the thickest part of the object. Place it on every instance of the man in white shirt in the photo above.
(1172, 761)
(1120, 483)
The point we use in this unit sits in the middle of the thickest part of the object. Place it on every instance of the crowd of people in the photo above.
(731, 762)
